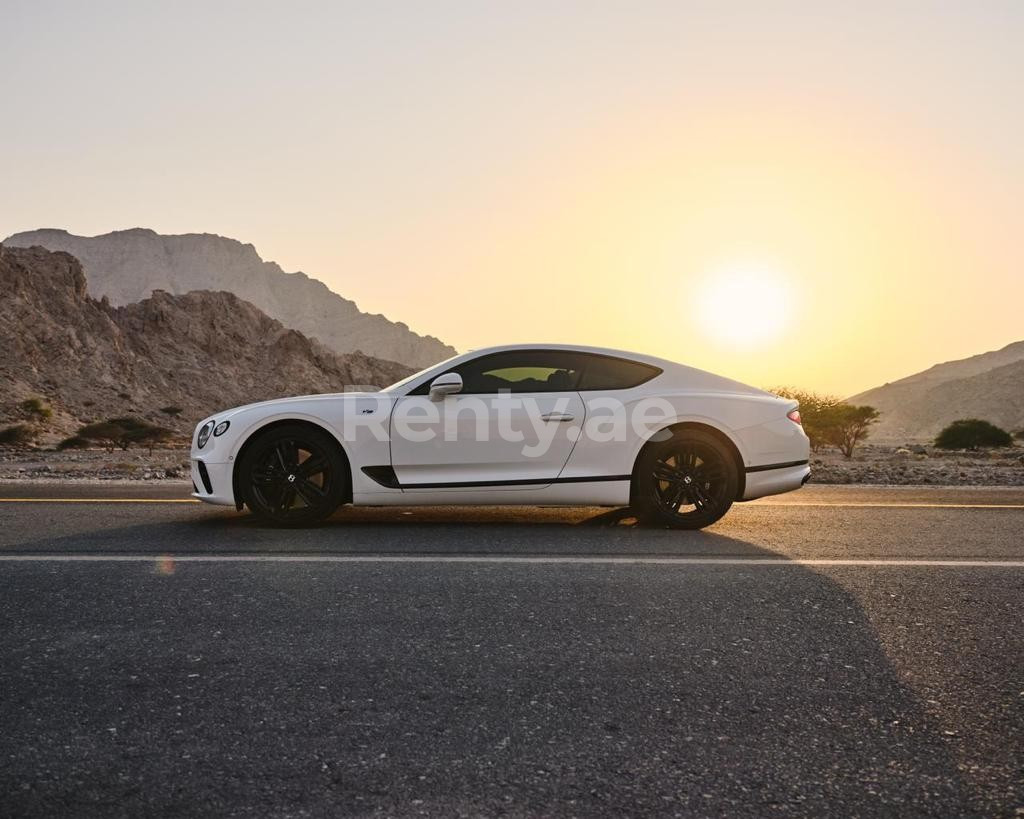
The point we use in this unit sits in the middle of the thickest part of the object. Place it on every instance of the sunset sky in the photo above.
(827, 195)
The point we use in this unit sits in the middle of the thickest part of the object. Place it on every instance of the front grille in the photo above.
(204, 476)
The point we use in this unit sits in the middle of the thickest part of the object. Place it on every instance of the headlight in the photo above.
(204, 434)
(221, 428)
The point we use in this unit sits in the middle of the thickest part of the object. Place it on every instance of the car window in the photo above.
(517, 371)
(602, 372)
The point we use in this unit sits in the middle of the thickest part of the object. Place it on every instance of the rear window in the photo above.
(602, 372)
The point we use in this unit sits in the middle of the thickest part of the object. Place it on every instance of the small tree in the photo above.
(847, 425)
(814, 413)
(151, 436)
(972, 433)
(117, 432)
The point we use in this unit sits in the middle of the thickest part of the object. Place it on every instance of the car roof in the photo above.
(577, 348)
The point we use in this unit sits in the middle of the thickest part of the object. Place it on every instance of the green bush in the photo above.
(74, 442)
(16, 435)
(37, 409)
(972, 433)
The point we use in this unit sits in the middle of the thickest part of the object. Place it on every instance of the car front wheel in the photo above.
(685, 482)
(292, 475)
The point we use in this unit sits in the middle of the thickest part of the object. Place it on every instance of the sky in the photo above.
(826, 195)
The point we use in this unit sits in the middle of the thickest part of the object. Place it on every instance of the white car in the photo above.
(522, 424)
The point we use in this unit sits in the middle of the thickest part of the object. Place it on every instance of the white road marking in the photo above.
(528, 559)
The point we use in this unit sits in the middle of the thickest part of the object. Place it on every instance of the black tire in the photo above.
(685, 482)
(292, 475)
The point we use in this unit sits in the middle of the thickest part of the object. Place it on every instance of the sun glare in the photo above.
(744, 307)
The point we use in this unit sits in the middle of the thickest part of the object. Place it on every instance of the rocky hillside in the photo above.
(127, 265)
(988, 386)
(198, 351)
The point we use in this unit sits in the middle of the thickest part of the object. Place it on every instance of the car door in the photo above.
(513, 424)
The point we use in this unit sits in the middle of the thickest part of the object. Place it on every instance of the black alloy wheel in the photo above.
(686, 482)
(293, 476)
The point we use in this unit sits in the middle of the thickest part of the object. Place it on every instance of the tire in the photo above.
(293, 475)
(685, 482)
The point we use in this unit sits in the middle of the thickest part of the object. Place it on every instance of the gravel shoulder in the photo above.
(872, 464)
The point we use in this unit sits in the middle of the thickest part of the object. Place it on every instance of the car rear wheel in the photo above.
(685, 482)
(292, 475)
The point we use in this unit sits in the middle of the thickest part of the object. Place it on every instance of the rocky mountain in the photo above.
(988, 386)
(199, 351)
(127, 265)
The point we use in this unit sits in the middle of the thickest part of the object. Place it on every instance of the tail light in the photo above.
(794, 416)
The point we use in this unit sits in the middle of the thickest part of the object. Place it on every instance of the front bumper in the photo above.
(213, 482)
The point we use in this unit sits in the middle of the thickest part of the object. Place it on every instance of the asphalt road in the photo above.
(850, 651)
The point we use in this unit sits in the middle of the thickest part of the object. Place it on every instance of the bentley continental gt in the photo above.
(521, 424)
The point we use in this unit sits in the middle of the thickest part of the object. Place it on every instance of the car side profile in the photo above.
(520, 424)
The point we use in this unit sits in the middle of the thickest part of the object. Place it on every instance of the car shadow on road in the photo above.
(403, 688)
(514, 687)
(512, 531)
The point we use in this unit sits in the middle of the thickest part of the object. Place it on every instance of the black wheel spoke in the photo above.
(266, 477)
(313, 465)
(310, 492)
(664, 472)
(286, 499)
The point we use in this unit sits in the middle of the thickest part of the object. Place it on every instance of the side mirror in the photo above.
(446, 384)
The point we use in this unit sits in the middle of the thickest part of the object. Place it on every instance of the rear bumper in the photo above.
(762, 482)
(215, 486)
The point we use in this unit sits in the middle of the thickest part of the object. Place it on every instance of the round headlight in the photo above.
(204, 434)
(221, 428)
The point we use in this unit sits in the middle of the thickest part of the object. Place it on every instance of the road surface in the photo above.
(849, 650)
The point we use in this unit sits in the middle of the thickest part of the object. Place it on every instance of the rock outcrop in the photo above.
(199, 351)
(989, 386)
(127, 265)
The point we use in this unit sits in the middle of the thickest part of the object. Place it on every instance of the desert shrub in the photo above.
(37, 409)
(74, 442)
(972, 433)
(16, 435)
(172, 410)
(123, 432)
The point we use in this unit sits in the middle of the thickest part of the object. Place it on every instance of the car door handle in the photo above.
(557, 416)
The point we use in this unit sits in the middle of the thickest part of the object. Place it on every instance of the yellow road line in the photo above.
(98, 500)
(879, 504)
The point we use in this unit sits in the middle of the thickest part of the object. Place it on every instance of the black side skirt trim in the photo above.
(766, 467)
(385, 476)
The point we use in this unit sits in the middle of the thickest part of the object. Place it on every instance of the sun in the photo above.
(744, 306)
